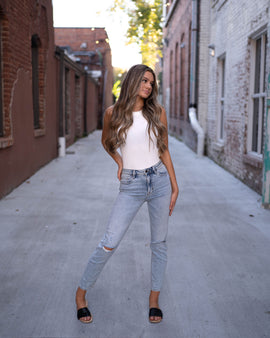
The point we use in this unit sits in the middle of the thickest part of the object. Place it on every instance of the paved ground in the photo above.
(218, 276)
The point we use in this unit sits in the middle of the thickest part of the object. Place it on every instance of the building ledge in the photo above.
(6, 142)
(253, 159)
(39, 132)
(218, 146)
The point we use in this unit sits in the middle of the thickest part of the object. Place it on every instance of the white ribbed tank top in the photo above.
(137, 152)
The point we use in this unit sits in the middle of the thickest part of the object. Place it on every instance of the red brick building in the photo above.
(28, 90)
(43, 94)
(176, 69)
(90, 48)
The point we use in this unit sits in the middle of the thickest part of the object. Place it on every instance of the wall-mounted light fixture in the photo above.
(166, 42)
(211, 49)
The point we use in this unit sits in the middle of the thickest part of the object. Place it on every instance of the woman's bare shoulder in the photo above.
(108, 111)
(162, 110)
(108, 114)
(163, 116)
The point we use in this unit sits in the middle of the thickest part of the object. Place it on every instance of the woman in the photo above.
(137, 125)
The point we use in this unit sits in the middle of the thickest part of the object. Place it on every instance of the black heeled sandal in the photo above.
(155, 312)
(84, 312)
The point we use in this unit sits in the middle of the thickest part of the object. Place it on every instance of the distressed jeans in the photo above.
(151, 185)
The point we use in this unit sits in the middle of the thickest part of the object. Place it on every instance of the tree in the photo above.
(145, 17)
(118, 74)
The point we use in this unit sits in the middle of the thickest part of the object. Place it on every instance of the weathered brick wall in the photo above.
(92, 40)
(92, 104)
(232, 23)
(24, 149)
(203, 62)
(176, 70)
(74, 37)
(79, 109)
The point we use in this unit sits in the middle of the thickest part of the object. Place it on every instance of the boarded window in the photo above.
(176, 88)
(67, 100)
(1, 88)
(171, 83)
(35, 79)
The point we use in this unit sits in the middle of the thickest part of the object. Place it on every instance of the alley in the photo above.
(218, 273)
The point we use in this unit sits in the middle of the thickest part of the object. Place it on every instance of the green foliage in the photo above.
(145, 17)
(118, 75)
(116, 89)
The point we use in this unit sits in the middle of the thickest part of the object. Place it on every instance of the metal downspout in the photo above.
(61, 138)
(193, 80)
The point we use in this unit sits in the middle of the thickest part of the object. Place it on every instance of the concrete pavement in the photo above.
(218, 275)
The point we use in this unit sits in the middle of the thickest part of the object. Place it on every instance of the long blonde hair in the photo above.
(121, 119)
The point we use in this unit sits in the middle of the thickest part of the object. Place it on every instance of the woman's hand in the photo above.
(175, 192)
(119, 172)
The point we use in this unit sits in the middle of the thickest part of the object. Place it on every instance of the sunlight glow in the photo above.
(87, 13)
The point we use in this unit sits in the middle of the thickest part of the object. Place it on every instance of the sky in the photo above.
(95, 13)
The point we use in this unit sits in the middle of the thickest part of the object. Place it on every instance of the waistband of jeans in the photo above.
(146, 171)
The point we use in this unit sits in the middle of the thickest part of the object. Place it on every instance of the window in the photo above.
(189, 61)
(176, 87)
(6, 80)
(221, 98)
(78, 115)
(182, 78)
(171, 83)
(35, 79)
(67, 101)
(258, 94)
(1, 92)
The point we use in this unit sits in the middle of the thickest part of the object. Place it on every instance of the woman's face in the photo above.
(146, 86)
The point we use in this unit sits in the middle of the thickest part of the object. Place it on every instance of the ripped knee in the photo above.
(105, 248)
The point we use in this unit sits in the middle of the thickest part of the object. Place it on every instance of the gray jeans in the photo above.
(150, 185)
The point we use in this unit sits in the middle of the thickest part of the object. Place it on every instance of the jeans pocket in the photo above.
(162, 171)
(126, 178)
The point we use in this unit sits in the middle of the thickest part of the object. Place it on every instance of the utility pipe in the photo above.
(61, 137)
(193, 80)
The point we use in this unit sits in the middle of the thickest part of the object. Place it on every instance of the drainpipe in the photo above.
(193, 80)
(61, 138)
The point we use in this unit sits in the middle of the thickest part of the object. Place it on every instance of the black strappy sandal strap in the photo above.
(84, 312)
(155, 312)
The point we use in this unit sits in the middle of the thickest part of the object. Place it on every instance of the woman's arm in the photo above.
(166, 159)
(105, 133)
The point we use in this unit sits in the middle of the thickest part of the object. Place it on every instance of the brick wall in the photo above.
(176, 69)
(93, 40)
(24, 147)
(231, 27)
(233, 23)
